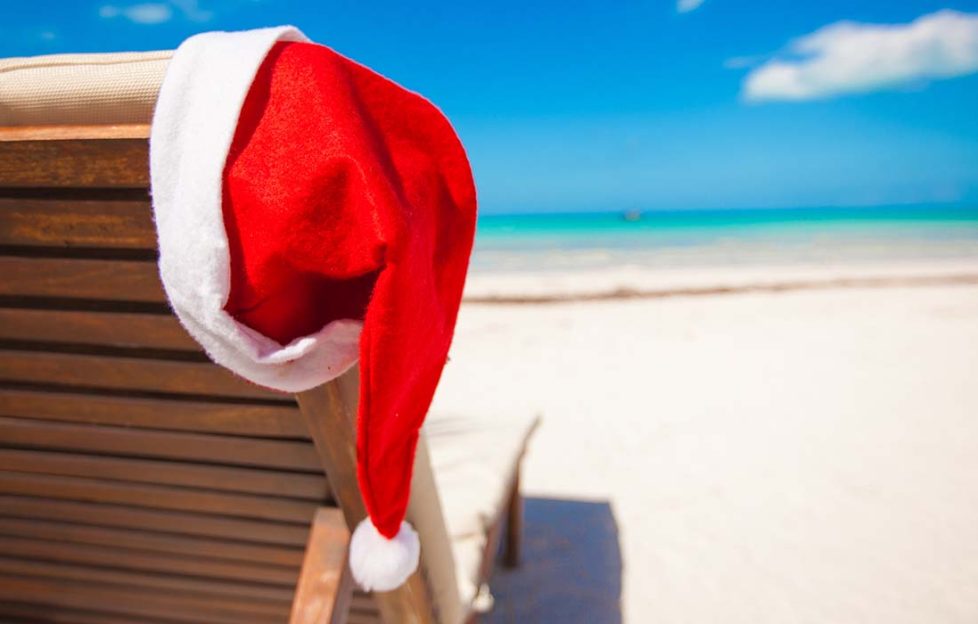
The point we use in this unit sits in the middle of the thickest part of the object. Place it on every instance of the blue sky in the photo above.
(634, 105)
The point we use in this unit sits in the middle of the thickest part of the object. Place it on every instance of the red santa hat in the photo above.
(312, 213)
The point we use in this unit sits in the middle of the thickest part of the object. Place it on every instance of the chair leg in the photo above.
(514, 526)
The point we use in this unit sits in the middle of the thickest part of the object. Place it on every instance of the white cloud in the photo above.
(156, 12)
(848, 57)
(146, 13)
(149, 13)
(685, 6)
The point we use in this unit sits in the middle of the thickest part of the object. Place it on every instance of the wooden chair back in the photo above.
(139, 481)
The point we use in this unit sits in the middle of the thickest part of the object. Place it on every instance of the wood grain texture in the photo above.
(357, 616)
(204, 448)
(273, 421)
(107, 280)
(143, 375)
(362, 601)
(168, 521)
(325, 587)
(155, 497)
(102, 329)
(138, 539)
(75, 163)
(61, 132)
(330, 412)
(272, 483)
(60, 222)
(162, 582)
(147, 561)
(137, 603)
(36, 613)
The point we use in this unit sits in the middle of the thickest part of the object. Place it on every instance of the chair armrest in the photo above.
(325, 586)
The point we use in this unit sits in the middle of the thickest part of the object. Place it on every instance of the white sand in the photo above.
(807, 456)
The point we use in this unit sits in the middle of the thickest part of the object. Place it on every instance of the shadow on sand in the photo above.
(571, 568)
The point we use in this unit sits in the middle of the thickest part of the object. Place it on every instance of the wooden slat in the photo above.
(359, 617)
(65, 131)
(144, 375)
(148, 580)
(162, 444)
(151, 541)
(276, 421)
(25, 613)
(75, 163)
(362, 601)
(325, 586)
(123, 330)
(130, 559)
(175, 522)
(137, 603)
(201, 476)
(156, 497)
(66, 223)
(109, 280)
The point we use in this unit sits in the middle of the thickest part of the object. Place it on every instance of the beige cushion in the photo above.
(80, 89)
(474, 461)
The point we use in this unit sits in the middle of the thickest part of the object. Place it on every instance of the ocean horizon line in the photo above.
(969, 208)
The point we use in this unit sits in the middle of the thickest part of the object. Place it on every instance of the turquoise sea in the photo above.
(723, 237)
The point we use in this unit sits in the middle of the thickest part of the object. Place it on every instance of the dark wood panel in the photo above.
(358, 616)
(276, 421)
(148, 580)
(200, 447)
(273, 483)
(144, 375)
(175, 522)
(109, 280)
(75, 163)
(137, 603)
(362, 601)
(122, 330)
(25, 613)
(88, 223)
(156, 497)
(130, 559)
(151, 541)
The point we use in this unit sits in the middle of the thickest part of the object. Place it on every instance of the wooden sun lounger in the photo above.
(139, 482)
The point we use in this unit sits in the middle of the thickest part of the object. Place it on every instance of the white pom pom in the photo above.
(381, 564)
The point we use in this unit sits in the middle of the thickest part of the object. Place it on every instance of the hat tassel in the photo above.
(381, 564)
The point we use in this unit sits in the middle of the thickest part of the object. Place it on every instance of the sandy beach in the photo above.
(741, 454)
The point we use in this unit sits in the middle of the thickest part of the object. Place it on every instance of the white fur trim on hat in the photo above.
(194, 123)
(381, 564)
